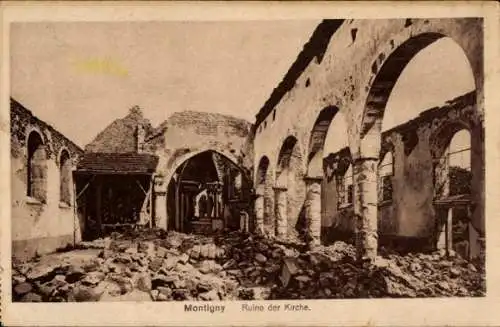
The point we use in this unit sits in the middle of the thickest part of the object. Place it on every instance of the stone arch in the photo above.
(264, 206)
(289, 148)
(290, 188)
(385, 72)
(456, 176)
(443, 135)
(262, 171)
(385, 175)
(317, 140)
(176, 215)
(440, 143)
(181, 156)
(65, 180)
(386, 69)
(36, 167)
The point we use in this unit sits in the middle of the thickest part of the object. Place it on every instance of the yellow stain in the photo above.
(106, 66)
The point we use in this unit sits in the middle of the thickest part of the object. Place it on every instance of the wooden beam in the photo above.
(84, 188)
(151, 194)
(75, 212)
(98, 172)
(140, 186)
(98, 205)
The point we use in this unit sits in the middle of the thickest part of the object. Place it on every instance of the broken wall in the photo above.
(341, 71)
(39, 226)
(410, 219)
(186, 134)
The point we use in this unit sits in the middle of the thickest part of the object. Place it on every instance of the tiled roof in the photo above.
(117, 163)
(120, 135)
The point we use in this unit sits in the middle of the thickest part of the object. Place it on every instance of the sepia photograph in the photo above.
(331, 189)
(216, 161)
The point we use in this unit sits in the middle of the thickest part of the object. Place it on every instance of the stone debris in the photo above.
(158, 266)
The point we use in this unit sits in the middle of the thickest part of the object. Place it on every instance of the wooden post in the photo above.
(216, 205)
(176, 205)
(150, 202)
(98, 205)
(75, 212)
(182, 212)
(449, 232)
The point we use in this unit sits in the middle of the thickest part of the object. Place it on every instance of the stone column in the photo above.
(259, 209)
(313, 210)
(477, 224)
(160, 202)
(449, 231)
(365, 207)
(280, 211)
(441, 220)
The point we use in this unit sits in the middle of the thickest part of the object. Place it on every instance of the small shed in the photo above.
(114, 190)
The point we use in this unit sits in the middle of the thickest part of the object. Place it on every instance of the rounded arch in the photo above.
(386, 147)
(262, 171)
(388, 66)
(329, 135)
(65, 167)
(34, 139)
(441, 138)
(36, 167)
(63, 152)
(290, 177)
(289, 149)
(317, 140)
(387, 77)
(209, 176)
(37, 133)
(320, 130)
(178, 159)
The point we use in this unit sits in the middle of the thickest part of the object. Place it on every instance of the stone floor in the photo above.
(153, 265)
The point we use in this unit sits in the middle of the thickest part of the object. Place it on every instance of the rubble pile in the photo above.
(153, 265)
(334, 273)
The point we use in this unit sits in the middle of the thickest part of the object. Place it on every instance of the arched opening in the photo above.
(438, 73)
(290, 179)
(459, 163)
(206, 194)
(264, 206)
(386, 173)
(453, 189)
(37, 168)
(65, 180)
(428, 64)
(345, 188)
(317, 141)
(336, 187)
(262, 171)
(423, 74)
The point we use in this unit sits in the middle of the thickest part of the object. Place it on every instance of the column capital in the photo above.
(360, 160)
(260, 190)
(159, 183)
(313, 179)
(280, 188)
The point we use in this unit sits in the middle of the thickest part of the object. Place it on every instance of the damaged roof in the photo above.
(117, 163)
(120, 135)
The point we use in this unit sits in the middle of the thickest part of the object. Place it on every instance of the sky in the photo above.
(438, 73)
(79, 77)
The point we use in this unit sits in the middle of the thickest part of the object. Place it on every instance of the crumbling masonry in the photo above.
(276, 169)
